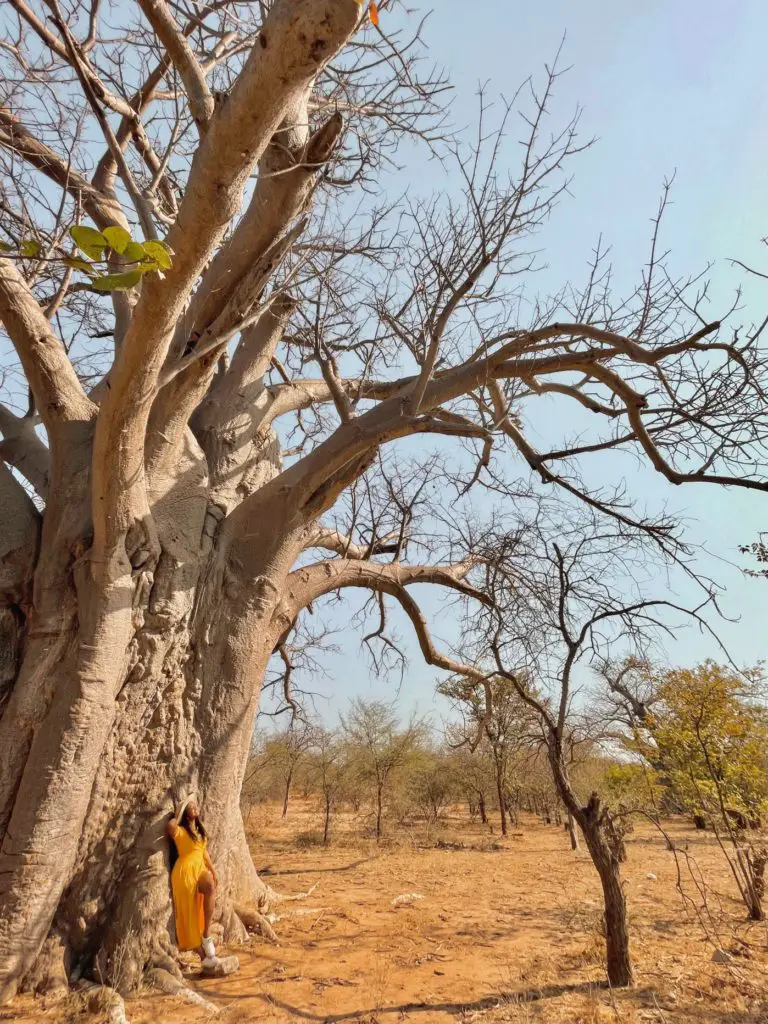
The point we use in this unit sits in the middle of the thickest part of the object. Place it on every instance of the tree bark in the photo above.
(288, 781)
(481, 805)
(379, 810)
(327, 820)
(606, 851)
(500, 795)
(618, 957)
(570, 825)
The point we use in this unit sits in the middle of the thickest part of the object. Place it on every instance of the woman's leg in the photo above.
(207, 887)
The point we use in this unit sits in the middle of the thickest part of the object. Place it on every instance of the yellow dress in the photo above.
(187, 901)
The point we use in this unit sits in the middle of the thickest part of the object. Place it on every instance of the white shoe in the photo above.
(208, 948)
(210, 962)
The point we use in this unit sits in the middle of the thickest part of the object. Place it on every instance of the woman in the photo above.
(193, 880)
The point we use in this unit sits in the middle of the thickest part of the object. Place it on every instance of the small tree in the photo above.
(550, 607)
(329, 767)
(380, 748)
(433, 784)
(289, 750)
(505, 726)
(709, 738)
(472, 771)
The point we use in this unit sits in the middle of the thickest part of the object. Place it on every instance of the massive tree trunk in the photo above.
(130, 668)
(181, 720)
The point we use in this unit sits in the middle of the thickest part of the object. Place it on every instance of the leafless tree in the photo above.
(330, 765)
(555, 607)
(508, 729)
(380, 747)
(173, 450)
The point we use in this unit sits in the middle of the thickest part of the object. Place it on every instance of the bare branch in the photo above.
(192, 75)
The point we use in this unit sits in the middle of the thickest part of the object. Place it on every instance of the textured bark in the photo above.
(606, 851)
(132, 677)
(570, 826)
(500, 798)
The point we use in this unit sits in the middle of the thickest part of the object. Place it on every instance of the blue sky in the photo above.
(666, 86)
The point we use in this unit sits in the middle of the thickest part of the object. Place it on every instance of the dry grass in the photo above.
(508, 930)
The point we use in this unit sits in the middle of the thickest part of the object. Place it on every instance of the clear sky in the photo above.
(667, 86)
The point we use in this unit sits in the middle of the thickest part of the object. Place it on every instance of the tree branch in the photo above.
(24, 450)
(103, 209)
(58, 393)
(201, 102)
(320, 536)
(297, 38)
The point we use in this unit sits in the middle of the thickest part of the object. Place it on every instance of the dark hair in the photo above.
(194, 829)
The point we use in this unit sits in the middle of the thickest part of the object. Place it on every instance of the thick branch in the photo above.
(310, 582)
(333, 540)
(297, 38)
(192, 75)
(243, 265)
(58, 393)
(24, 450)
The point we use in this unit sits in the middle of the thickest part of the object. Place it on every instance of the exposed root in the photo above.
(49, 973)
(166, 962)
(106, 1002)
(165, 982)
(235, 930)
(256, 922)
(278, 897)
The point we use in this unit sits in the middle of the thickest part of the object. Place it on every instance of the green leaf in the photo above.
(117, 282)
(117, 237)
(77, 264)
(134, 252)
(159, 252)
(89, 241)
(31, 247)
(4, 247)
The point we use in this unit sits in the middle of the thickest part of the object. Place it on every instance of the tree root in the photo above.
(235, 929)
(49, 973)
(278, 897)
(255, 921)
(105, 1000)
(165, 981)
(165, 961)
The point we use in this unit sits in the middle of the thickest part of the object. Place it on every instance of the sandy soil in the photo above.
(506, 930)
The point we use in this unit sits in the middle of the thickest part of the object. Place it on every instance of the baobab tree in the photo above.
(176, 499)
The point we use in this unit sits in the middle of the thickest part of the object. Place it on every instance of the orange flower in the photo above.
(373, 13)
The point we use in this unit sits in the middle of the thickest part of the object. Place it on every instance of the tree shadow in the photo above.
(267, 872)
(530, 995)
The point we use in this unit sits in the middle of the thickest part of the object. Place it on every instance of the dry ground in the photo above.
(507, 930)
